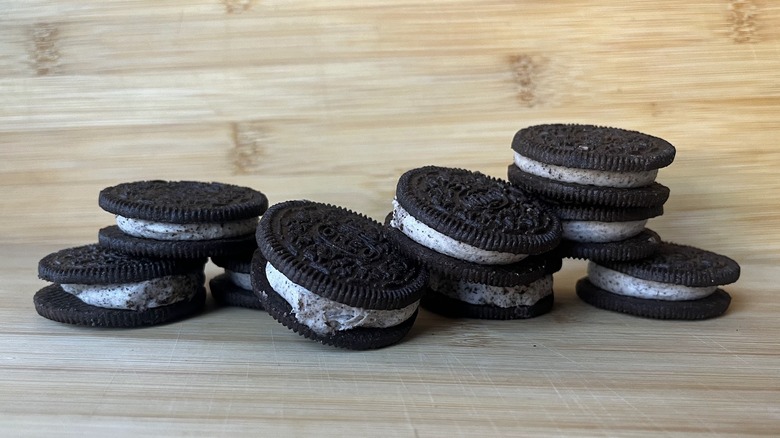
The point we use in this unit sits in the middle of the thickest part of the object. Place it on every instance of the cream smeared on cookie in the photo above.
(138, 296)
(599, 232)
(430, 238)
(623, 284)
(196, 231)
(585, 176)
(500, 296)
(326, 316)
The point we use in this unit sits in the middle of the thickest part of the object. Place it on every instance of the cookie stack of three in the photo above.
(601, 183)
(487, 244)
(149, 268)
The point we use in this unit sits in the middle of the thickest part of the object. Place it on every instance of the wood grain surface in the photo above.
(332, 101)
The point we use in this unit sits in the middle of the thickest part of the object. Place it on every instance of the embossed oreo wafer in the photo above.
(234, 286)
(181, 218)
(588, 164)
(677, 282)
(95, 286)
(333, 276)
(471, 216)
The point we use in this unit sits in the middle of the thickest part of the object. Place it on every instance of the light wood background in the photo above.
(332, 101)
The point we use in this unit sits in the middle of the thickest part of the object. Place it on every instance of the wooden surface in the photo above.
(332, 101)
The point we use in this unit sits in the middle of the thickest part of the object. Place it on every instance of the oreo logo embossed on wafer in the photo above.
(96, 286)
(471, 216)
(333, 276)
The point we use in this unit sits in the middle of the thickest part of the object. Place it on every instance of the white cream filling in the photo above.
(623, 284)
(430, 238)
(500, 296)
(599, 232)
(325, 316)
(195, 231)
(240, 279)
(585, 176)
(138, 296)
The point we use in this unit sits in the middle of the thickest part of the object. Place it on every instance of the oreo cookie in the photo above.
(586, 164)
(677, 282)
(181, 219)
(492, 297)
(333, 276)
(480, 239)
(234, 286)
(458, 288)
(635, 247)
(95, 286)
(573, 193)
(600, 233)
(471, 216)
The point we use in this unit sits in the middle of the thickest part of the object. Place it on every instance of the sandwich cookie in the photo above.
(585, 164)
(95, 286)
(333, 276)
(602, 233)
(472, 217)
(677, 282)
(181, 219)
(234, 286)
(458, 288)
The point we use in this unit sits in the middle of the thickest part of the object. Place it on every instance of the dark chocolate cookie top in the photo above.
(683, 265)
(338, 254)
(183, 201)
(593, 147)
(94, 264)
(479, 210)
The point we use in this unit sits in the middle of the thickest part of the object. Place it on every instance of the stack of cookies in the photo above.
(458, 243)
(600, 182)
(487, 244)
(333, 276)
(148, 269)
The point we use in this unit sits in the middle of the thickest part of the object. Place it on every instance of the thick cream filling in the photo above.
(623, 284)
(428, 237)
(585, 176)
(599, 232)
(325, 316)
(500, 296)
(138, 296)
(196, 231)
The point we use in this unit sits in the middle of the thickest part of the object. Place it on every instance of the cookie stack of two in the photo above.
(487, 245)
(600, 182)
(149, 268)
(332, 275)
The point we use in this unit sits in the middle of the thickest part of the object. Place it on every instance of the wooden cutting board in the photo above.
(332, 101)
